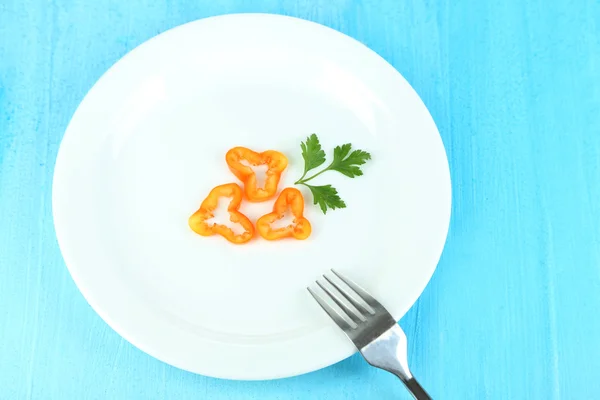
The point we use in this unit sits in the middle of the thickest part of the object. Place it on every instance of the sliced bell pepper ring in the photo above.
(206, 211)
(276, 162)
(299, 229)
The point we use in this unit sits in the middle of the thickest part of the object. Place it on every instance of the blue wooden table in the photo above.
(512, 311)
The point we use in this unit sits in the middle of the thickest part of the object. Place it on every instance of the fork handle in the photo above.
(416, 389)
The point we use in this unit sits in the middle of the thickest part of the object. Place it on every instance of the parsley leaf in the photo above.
(348, 164)
(326, 197)
(345, 161)
(312, 153)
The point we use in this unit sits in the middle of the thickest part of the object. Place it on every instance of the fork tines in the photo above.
(355, 304)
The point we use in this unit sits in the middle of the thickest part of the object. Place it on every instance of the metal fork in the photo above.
(371, 328)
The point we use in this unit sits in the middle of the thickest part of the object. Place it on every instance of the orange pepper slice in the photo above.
(300, 229)
(206, 211)
(276, 162)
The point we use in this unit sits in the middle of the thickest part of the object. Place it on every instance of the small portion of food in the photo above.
(344, 161)
(206, 211)
(276, 162)
(300, 228)
(274, 226)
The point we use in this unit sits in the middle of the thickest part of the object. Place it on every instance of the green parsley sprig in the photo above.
(344, 161)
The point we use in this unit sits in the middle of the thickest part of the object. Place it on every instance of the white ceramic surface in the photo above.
(148, 143)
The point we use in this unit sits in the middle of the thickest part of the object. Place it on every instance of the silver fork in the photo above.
(371, 328)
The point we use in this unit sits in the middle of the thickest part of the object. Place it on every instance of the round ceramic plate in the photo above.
(148, 143)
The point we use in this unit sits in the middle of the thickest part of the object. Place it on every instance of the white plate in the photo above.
(148, 143)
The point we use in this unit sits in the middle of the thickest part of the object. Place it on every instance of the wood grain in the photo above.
(512, 311)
